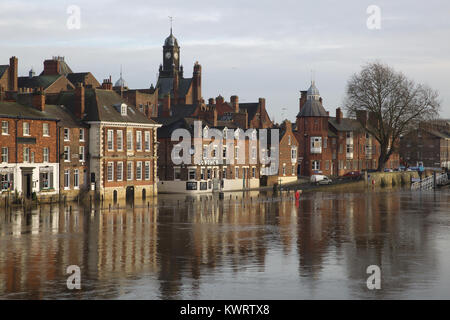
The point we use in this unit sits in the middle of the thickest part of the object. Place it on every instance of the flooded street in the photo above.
(238, 248)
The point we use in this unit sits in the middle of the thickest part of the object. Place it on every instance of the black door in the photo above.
(28, 186)
(130, 195)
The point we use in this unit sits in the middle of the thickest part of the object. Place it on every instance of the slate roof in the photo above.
(312, 108)
(77, 77)
(165, 86)
(438, 134)
(251, 108)
(17, 110)
(346, 124)
(3, 68)
(103, 105)
(37, 81)
(65, 116)
(179, 111)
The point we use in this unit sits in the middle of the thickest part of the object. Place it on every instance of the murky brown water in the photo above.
(318, 247)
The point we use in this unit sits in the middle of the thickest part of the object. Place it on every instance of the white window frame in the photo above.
(66, 179)
(139, 140)
(45, 130)
(76, 179)
(119, 140)
(45, 154)
(5, 154)
(129, 170)
(147, 170)
(81, 153)
(66, 134)
(147, 140)
(82, 134)
(139, 170)
(5, 128)
(110, 140)
(66, 153)
(129, 140)
(26, 128)
(26, 154)
(119, 171)
(110, 171)
(315, 165)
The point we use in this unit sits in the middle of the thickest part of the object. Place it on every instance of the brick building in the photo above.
(212, 172)
(122, 143)
(429, 144)
(29, 156)
(334, 145)
(8, 76)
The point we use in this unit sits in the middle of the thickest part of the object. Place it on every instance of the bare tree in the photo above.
(394, 104)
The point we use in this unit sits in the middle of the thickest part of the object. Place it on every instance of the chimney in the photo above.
(361, 116)
(373, 119)
(303, 98)
(211, 101)
(38, 99)
(215, 118)
(13, 66)
(288, 125)
(166, 106)
(79, 101)
(197, 79)
(107, 84)
(51, 67)
(235, 103)
(338, 115)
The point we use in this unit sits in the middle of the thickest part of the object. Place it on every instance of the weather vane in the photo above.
(171, 20)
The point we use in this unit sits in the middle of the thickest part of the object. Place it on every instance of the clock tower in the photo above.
(171, 57)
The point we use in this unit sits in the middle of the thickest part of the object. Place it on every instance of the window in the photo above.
(139, 140)
(293, 154)
(147, 140)
(139, 170)
(316, 144)
(129, 170)
(66, 134)
(176, 173)
(26, 154)
(26, 129)
(253, 172)
(192, 174)
(327, 164)
(5, 127)
(224, 173)
(123, 109)
(45, 154)
(236, 152)
(349, 148)
(66, 179)
(32, 157)
(119, 171)
(76, 180)
(81, 153)
(325, 142)
(208, 173)
(284, 169)
(349, 134)
(110, 140)
(147, 170)
(45, 130)
(293, 170)
(224, 152)
(66, 153)
(205, 152)
(119, 140)
(289, 140)
(236, 172)
(202, 174)
(109, 171)
(4, 154)
(129, 140)
(46, 180)
(316, 165)
(81, 134)
(340, 148)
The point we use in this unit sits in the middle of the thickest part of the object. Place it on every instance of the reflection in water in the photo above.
(240, 248)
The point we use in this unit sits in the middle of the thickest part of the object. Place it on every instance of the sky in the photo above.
(252, 49)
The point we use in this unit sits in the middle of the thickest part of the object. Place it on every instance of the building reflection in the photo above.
(181, 242)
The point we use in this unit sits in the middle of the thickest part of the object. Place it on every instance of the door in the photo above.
(26, 185)
(130, 194)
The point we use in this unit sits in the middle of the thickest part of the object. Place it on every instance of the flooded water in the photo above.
(244, 248)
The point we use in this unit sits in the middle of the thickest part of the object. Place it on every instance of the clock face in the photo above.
(168, 55)
(175, 55)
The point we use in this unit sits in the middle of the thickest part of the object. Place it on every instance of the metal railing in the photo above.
(429, 182)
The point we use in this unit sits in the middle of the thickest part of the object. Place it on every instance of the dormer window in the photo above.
(205, 132)
(123, 109)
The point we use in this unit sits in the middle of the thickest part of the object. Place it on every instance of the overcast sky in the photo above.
(249, 48)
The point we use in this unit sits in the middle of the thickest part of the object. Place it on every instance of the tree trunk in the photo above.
(382, 160)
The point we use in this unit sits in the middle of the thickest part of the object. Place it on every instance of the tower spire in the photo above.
(171, 22)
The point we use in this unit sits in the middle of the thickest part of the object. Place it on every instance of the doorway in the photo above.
(130, 194)
(27, 180)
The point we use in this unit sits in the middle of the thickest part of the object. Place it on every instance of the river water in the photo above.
(246, 247)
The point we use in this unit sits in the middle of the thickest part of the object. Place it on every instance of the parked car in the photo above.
(317, 177)
(352, 175)
(388, 170)
(325, 180)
